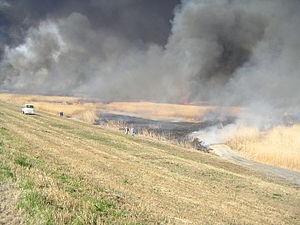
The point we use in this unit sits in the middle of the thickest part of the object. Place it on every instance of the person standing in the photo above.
(132, 132)
(126, 130)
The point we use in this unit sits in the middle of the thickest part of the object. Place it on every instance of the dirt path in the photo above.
(227, 153)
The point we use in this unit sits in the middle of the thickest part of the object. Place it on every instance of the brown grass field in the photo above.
(80, 108)
(279, 146)
(75, 105)
(165, 111)
(69, 172)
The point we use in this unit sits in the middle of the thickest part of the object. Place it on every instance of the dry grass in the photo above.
(88, 115)
(166, 111)
(75, 106)
(68, 109)
(279, 146)
(81, 174)
(22, 99)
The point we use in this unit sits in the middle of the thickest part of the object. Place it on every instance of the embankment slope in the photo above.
(69, 172)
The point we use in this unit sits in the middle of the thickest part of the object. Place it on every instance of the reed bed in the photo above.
(279, 146)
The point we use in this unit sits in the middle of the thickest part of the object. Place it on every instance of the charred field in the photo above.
(171, 130)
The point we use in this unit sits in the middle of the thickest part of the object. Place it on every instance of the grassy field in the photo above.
(167, 111)
(77, 107)
(279, 146)
(69, 172)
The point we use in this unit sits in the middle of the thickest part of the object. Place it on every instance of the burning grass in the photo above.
(279, 146)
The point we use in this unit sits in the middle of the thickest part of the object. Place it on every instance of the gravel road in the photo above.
(227, 153)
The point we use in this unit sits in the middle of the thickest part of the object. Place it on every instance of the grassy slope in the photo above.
(70, 172)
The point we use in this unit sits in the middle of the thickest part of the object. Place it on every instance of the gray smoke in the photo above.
(241, 53)
(147, 21)
(229, 52)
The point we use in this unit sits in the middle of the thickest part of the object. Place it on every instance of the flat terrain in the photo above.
(64, 171)
(76, 106)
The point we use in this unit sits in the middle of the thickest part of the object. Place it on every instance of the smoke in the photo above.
(91, 48)
(227, 52)
(131, 19)
(215, 134)
(4, 4)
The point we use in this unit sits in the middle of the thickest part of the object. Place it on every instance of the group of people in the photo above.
(130, 131)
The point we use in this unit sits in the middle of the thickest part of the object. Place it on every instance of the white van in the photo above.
(28, 109)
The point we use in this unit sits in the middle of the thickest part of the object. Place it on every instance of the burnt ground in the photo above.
(172, 130)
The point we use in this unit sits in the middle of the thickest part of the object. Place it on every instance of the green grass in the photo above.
(34, 204)
(5, 171)
(105, 141)
(4, 131)
(101, 207)
(155, 144)
(91, 204)
(101, 139)
(26, 184)
(42, 209)
(277, 196)
(126, 181)
(67, 183)
(23, 161)
(1, 147)
(60, 125)
(22, 149)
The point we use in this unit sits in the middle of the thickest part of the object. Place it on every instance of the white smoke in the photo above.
(4, 3)
(215, 134)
